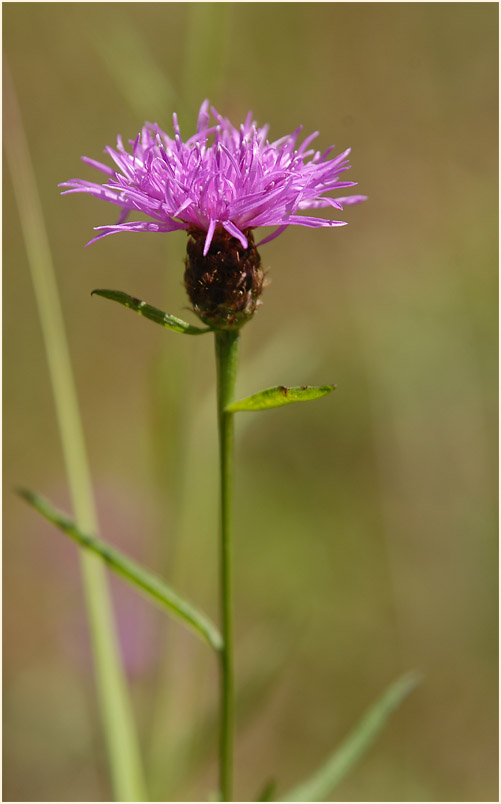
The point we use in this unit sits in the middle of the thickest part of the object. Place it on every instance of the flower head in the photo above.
(222, 179)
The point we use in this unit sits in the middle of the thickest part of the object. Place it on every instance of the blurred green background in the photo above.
(366, 538)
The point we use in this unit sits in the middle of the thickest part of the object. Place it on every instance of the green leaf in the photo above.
(320, 785)
(280, 395)
(153, 313)
(144, 580)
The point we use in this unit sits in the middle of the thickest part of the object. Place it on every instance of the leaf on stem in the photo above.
(320, 785)
(280, 395)
(144, 580)
(153, 313)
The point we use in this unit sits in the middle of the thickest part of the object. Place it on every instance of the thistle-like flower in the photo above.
(219, 185)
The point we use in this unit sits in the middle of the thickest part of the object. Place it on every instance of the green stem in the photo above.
(116, 712)
(226, 362)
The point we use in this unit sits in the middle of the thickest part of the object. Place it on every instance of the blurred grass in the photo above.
(397, 470)
(119, 733)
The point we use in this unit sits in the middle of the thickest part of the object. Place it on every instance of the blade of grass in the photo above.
(144, 580)
(351, 750)
(119, 730)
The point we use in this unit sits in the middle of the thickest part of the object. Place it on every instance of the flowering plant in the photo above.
(220, 185)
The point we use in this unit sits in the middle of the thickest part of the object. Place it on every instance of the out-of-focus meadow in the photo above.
(366, 540)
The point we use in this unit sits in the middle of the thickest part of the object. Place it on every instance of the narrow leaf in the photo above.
(150, 584)
(280, 395)
(320, 785)
(153, 313)
(113, 699)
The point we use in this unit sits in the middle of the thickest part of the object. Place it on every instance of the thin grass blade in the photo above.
(132, 572)
(321, 784)
(152, 313)
(119, 731)
(280, 395)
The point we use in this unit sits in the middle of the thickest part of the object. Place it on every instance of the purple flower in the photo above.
(220, 178)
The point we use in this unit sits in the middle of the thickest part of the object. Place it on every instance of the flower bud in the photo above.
(224, 286)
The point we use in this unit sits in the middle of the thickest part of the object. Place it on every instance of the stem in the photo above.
(124, 759)
(226, 362)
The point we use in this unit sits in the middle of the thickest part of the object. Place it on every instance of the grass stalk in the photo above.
(115, 707)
